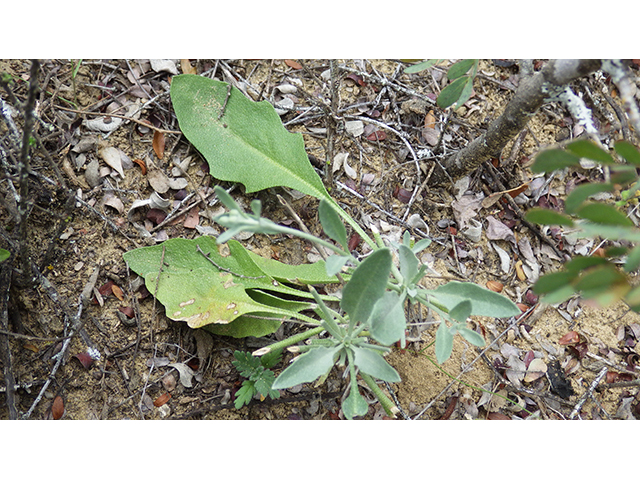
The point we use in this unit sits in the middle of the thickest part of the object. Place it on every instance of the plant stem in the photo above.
(385, 401)
(287, 342)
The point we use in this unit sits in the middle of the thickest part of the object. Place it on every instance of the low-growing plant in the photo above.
(603, 277)
(461, 75)
(259, 377)
(239, 293)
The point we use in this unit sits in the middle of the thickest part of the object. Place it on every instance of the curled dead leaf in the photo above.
(112, 157)
(537, 368)
(85, 359)
(520, 271)
(141, 164)
(495, 286)
(185, 64)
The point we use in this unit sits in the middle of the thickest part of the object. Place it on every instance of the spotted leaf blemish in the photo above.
(231, 306)
(188, 302)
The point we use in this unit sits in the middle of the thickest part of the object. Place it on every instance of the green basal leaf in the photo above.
(408, 263)
(466, 93)
(474, 338)
(554, 159)
(368, 284)
(419, 67)
(544, 216)
(451, 93)
(603, 214)
(444, 343)
(421, 245)
(373, 364)
(460, 68)
(387, 321)
(332, 225)
(4, 254)
(335, 264)
(581, 193)
(461, 311)
(354, 405)
(248, 138)
(588, 149)
(307, 367)
(483, 302)
(628, 151)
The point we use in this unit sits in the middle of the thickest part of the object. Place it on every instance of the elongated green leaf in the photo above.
(332, 225)
(461, 311)
(474, 338)
(629, 152)
(581, 193)
(335, 264)
(554, 281)
(408, 263)
(243, 327)
(460, 68)
(354, 405)
(588, 149)
(367, 285)
(544, 216)
(419, 67)
(444, 343)
(611, 232)
(248, 143)
(603, 214)
(451, 93)
(387, 319)
(373, 364)
(4, 254)
(307, 367)
(554, 159)
(579, 263)
(483, 301)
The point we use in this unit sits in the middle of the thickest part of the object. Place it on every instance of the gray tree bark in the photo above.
(530, 95)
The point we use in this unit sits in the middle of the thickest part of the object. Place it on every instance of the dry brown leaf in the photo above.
(111, 157)
(117, 291)
(192, 219)
(430, 120)
(537, 368)
(158, 144)
(293, 64)
(185, 64)
(520, 272)
(57, 409)
(495, 286)
(162, 399)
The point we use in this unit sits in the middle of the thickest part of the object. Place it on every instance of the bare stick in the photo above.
(588, 393)
(226, 100)
(124, 117)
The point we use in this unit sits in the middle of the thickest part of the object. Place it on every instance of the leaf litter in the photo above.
(421, 382)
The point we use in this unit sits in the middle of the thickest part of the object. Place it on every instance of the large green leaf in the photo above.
(387, 322)
(554, 159)
(194, 290)
(248, 144)
(373, 364)
(307, 367)
(367, 285)
(483, 301)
